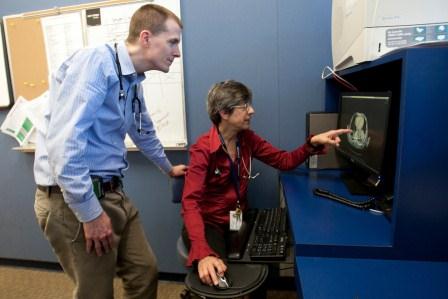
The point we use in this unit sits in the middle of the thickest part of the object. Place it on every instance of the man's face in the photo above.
(164, 47)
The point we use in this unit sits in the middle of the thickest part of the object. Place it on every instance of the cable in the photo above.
(365, 205)
(338, 78)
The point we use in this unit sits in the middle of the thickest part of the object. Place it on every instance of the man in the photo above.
(95, 99)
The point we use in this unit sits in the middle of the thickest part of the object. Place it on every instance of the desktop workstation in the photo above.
(345, 252)
(391, 241)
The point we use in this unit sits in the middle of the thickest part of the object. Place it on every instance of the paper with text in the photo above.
(62, 37)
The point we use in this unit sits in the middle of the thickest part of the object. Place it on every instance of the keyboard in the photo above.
(270, 236)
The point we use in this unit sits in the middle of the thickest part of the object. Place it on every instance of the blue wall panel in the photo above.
(304, 50)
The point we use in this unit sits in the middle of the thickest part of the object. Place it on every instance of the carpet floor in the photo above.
(30, 283)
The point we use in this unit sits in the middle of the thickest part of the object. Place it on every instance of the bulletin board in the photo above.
(26, 54)
(29, 67)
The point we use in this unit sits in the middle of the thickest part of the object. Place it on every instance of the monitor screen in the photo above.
(366, 114)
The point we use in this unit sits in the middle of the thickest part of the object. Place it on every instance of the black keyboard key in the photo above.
(270, 238)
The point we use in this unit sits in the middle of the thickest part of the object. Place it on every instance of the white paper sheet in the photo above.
(36, 110)
(63, 35)
(24, 118)
(17, 123)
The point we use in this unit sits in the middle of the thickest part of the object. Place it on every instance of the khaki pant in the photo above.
(132, 260)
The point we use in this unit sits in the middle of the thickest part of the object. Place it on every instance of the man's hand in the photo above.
(330, 137)
(178, 170)
(208, 269)
(99, 235)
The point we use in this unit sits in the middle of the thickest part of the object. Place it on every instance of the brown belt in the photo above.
(108, 186)
(49, 189)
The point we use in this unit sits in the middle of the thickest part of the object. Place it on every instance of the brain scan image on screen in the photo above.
(359, 137)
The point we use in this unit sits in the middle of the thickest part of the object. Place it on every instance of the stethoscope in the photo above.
(235, 173)
(136, 102)
(237, 162)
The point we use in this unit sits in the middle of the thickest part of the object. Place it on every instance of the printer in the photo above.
(363, 30)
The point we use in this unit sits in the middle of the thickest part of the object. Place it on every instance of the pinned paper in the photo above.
(24, 117)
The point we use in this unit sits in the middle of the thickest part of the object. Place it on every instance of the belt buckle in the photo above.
(48, 191)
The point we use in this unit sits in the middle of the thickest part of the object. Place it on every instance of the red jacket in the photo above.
(209, 193)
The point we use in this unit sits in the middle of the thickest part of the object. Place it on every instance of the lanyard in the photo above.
(234, 169)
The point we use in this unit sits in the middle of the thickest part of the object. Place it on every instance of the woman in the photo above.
(216, 183)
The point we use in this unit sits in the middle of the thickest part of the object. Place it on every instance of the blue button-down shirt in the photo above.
(86, 124)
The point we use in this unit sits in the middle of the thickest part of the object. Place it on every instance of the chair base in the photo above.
(246, 278)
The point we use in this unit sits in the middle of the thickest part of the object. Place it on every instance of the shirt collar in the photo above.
(215, 142)
(127, 67)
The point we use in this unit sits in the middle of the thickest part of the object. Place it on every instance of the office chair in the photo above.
(177, 187)
(246, 277)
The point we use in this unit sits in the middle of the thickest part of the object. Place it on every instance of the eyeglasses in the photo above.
(246, 106)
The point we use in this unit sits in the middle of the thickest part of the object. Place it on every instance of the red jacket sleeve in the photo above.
(191, 211)
(280, 159)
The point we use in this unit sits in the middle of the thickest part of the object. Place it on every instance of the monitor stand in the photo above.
(356, 183)
(384, 204)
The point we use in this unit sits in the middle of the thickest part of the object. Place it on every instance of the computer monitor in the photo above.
(367, 115)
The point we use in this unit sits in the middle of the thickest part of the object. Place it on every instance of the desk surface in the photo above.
(342, 252)
(371, 278)
(322, 227)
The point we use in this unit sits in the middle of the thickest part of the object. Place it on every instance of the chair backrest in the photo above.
(177, 187)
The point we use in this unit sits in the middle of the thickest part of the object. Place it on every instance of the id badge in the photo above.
(236, 220)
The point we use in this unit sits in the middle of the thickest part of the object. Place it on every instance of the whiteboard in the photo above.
(5, 100)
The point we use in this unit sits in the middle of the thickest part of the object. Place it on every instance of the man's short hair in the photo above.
(223, 96)
(150, 17)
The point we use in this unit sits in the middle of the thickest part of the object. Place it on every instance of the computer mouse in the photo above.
(223, 282)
